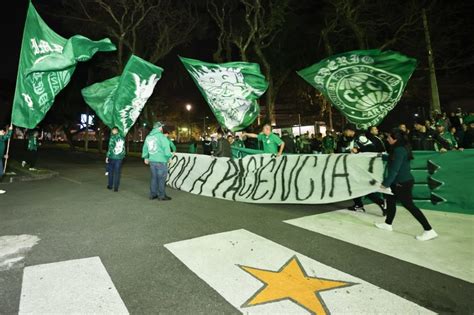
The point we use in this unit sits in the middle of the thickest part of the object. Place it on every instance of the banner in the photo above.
(363, 84)
(119, 101)
(231, 90)
(264, 178)
(47, 62)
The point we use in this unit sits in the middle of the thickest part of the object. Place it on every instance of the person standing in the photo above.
(4, 136)
(400, 180)
(345, 143)
(156, 153)
(172, 145)
(115, 155)
(32, 150)
(329, 143)
(369, 142)
(270, 141)
(223, 146)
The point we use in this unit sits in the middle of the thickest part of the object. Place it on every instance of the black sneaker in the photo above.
(164, 199)
(168, 198)
(109, 188)
(153, 197)
(356, 208)
(116, 189)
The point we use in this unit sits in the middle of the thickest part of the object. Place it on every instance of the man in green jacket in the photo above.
(115, 155)
(271, 142)
(156, 153)
(4, 136)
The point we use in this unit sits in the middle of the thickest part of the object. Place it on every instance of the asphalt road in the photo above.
(75, 216)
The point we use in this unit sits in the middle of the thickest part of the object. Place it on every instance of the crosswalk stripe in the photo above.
(80, 286)
(447, 254)
(259, 276)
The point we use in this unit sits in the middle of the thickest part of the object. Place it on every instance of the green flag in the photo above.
(118, 101)
(47, 62)
(231, 90)
(363, 84)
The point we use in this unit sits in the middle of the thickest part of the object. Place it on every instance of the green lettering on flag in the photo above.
(231, 90)
(47, 62)
(363, 84)
(119, 101)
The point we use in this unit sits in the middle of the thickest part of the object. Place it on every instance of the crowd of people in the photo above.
(453, 132)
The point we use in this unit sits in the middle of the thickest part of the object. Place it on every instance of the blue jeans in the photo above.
(114, 168)
(159, 172)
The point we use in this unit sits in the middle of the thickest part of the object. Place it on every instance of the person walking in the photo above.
(32, 150)
(4, 136)
(115, 155)
(270, 141)
(156, 153)
(400, 180)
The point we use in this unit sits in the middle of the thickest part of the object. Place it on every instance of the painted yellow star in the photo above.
(291, 282)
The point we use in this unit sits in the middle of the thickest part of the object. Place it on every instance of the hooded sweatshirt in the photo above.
(156, 147)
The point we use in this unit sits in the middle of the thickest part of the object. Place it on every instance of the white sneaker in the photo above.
(427, 235)
(2, 192)
(106, 173)
(32, 169)
(23, 164)
(384, 226)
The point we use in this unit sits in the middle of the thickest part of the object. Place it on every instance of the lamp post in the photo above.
(188, 108)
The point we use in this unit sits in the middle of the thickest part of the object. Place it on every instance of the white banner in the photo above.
(264, 178)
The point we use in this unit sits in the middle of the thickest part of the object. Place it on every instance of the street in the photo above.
(76, 217)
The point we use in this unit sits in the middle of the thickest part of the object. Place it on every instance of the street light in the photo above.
(188, 108)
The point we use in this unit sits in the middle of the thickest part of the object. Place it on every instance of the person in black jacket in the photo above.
(345, 143)
(223, 148)
(400, 180)
(289, 143)
(369, 142)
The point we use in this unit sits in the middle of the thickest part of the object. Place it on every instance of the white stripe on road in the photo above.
(71, 180)
(451, 253)
(233, 262)
(80, 286)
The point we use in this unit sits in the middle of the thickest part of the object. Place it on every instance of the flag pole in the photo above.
(8, 151)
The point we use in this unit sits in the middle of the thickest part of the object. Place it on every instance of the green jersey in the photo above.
(3, 139)
(116, 147)
(32, 143)
(238, 144)
(270, 142)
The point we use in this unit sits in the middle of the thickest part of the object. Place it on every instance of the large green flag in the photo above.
(363, 84)
(231, 90)
(47, 62)
(118, 101)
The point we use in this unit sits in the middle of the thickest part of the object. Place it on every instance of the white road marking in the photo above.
(216, 259)
(451, 253)
(71, 180)
(80, 286)
(13, 249)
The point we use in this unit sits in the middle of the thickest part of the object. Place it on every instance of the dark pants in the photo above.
(32, 157)
(403, 193)
(159, 172)
(114, 168)
(374, 197)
